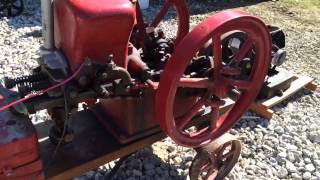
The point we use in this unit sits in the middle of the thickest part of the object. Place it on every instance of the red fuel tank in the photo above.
(94, 29)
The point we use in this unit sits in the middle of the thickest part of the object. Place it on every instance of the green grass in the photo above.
(309, 10)
(305, 4)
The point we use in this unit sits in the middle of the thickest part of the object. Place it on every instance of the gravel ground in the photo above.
(287, 147)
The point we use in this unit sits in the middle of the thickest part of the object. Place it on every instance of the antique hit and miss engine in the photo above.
(103, 54)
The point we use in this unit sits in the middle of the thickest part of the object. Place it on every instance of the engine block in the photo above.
(94, 30)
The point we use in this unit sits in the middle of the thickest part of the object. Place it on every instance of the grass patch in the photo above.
(305, 4)
(308, 10)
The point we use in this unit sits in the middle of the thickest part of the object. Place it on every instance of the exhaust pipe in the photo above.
(47, 24)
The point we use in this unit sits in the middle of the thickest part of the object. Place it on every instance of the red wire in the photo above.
(39, 93)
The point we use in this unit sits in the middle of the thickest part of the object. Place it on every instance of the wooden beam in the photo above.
(296, 85)
(261, 110)
(92, 147)
(311, 86)
(263, 107)
(109, 156)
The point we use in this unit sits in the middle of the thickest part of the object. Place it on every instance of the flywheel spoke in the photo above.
(239, 84)
(230, 71)
(195, 83)
(217, 51)
(244, 50)
(215, 118)
(184, 120)
(215, 104)
(162, 13)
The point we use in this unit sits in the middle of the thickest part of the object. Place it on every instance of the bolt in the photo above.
(73, 94)
(83, 80)
(110, 58)
(7, 171)
(68, 137)
(88, 62)
(104, 75)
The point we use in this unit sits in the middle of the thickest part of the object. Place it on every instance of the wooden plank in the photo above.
(311, 86)
(261, 110)
(296, 85)
(263, 107)
(121, 152)
(92, 147)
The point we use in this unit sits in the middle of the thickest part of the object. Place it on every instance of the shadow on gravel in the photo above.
(30, 17)
(251, 120)
(298, 97)
(207, 6)
(145, 165)
(199, 7)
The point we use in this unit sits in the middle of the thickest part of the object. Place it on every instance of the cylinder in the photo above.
(47, 24)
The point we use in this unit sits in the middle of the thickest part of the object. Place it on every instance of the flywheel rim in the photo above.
(217, 25)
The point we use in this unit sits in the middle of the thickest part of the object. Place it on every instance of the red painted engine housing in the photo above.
(131, 118)
(19, 148)
(93, 29)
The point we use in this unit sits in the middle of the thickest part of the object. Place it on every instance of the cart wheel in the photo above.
(222, 79)
(11, 8)
(216, 160)
(183, 17)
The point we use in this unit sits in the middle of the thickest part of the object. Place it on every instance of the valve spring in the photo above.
(31, 87)
(24, 80)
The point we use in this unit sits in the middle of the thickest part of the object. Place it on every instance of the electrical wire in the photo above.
(39, 93)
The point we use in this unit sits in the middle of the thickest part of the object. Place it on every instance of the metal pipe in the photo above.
(47, 24)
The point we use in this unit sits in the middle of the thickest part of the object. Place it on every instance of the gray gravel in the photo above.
(287, 147)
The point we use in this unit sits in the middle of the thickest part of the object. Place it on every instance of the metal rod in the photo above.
(47, 24)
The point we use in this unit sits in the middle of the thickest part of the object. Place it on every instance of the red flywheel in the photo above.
(225, 76)
(182, 16)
